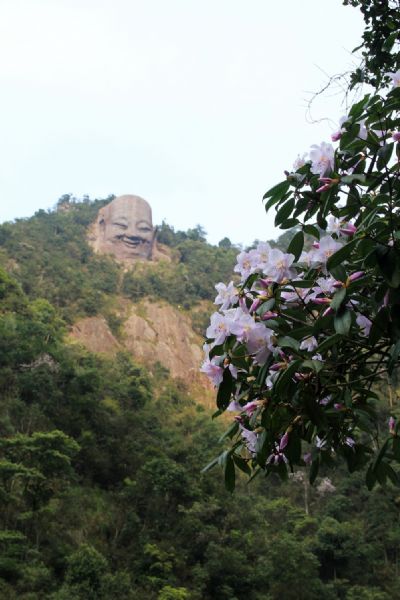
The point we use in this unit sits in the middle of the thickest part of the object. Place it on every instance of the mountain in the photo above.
(105, 427)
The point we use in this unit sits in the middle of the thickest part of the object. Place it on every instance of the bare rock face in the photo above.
(164, 334)
(124, 228)
(157, 332)
(95, 335)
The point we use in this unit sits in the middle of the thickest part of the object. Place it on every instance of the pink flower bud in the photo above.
(386, 299)
(392, 425)
(265, 283)
(315, 245)
(278, 366)
(396, 136)
(348, 229)
(256, 303)
(268, 315)
(243, 305)
(284, 441)
(323, 188)
(328, 311)
(336, 136)
(356, 275)
(322, 300)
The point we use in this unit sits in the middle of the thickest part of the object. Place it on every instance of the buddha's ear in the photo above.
(102, 226)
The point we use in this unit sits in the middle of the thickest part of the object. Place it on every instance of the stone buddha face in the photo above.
(125, 229)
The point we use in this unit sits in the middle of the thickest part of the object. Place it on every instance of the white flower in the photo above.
(262, 253)
(322, 158)
(327, 247)
(300, 161)
(250, 439)
(278, 268)
(246, 264)
(333, 225)
(309, 344)
(259, 343)
(219, 328)
(227, 294)
(213, 371)
(395, 77)
(325, 285)
(364, 323)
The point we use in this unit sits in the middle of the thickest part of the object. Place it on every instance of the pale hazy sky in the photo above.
(196, 105)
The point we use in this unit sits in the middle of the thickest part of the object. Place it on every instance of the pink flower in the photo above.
(396, 136)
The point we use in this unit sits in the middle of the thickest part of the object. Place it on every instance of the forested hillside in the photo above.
(101, 493)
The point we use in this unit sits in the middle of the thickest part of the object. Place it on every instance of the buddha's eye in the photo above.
(123, 225)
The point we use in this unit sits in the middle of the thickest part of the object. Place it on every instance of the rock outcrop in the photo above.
(151, 332)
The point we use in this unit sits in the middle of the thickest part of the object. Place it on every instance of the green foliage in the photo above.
(380, 41)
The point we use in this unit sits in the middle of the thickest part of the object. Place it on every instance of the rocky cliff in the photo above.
(151, 332)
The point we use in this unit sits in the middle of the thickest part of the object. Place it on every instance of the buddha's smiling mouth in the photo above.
(131, 242)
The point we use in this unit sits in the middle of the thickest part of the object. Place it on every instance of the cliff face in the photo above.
(153, 332)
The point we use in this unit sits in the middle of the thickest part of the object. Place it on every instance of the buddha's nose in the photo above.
(132, 231)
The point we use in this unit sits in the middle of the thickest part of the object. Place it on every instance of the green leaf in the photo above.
(384, 154)
(329, 342)
(225, 390)
(315, 365)
(338, 298)
(349, 179)
(288, 342)
(284, 212)
(242, 464)
(396, 448)
(311, 230)
(230, 474)
(390, 40)
(296, 245)
(389, 264)
(285, 377)
(230, 432)
(278, 190)
(394, 355)
(370, 477)
(289, 223)
(380, 455)
(210, 465)
(266, 306)
(341, 255)
(342, 321)
(314, 468)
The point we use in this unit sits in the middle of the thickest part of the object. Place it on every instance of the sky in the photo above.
(198, 106)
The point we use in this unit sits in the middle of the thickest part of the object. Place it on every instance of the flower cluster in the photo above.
(301, 335)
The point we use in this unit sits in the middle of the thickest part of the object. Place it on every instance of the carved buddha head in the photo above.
(124, 228)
